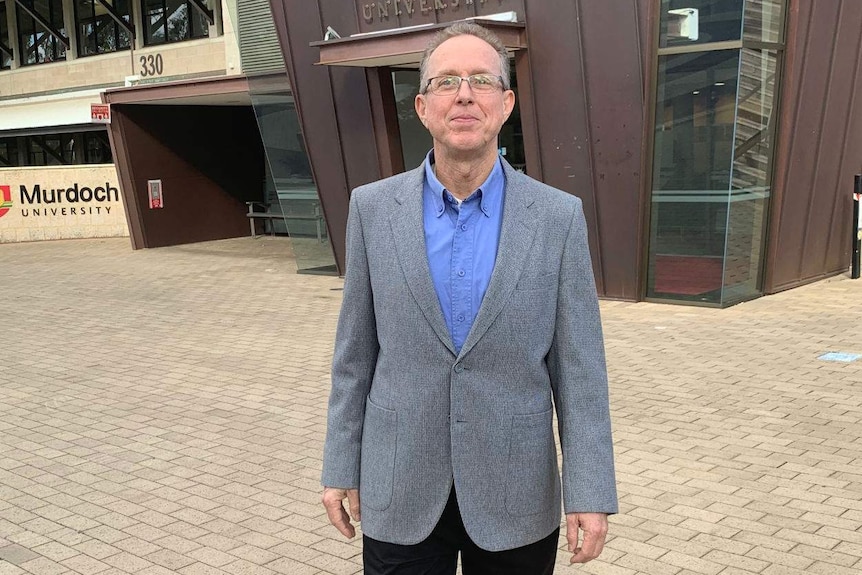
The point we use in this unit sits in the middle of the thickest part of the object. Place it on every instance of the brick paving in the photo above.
(162, 411)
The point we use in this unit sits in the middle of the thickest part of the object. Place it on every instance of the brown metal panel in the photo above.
(613, 81)
(352, 104)
(586, 59)
(561, 105)
(795, 38)
(822, 145)
(117, 139)
(817, 148)
(849, 121)
(648, 31)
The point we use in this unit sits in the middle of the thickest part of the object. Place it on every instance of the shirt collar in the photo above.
(490, 192)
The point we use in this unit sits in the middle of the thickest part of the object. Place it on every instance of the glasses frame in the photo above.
(461, 79)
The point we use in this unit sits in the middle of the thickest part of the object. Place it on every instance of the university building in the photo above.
(714, 143)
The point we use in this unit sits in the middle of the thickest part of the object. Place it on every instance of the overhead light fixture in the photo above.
(719, 83)
(696, 92)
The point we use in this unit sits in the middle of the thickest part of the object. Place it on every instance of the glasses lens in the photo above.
(450, 84)
(483, 82)
(445, 84)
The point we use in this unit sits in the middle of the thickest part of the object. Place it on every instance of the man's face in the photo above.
(464, 125)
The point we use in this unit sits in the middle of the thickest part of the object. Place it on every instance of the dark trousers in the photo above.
(438, 554)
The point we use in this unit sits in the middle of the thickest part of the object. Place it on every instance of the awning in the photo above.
(403, 47)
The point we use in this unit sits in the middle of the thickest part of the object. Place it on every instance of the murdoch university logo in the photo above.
(5, 200)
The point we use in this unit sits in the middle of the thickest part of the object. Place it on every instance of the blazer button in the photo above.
(459, 368)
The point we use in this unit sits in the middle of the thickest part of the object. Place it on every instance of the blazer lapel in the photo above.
(408, 231)
(516, 236)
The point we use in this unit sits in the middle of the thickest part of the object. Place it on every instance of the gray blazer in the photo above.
(408, 416)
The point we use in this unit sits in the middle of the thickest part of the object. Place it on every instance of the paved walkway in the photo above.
(162, 411)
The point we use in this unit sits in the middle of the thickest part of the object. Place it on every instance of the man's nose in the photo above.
(465, 92)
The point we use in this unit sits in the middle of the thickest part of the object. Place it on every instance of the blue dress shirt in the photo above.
(461, 242)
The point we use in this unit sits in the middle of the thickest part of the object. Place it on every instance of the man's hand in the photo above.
(332, 498)
(595, 528)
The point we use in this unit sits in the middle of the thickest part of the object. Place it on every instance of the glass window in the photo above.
(764, 21)
(694, 142)
(716, 21)
(751, 179)
(8, 152)
(67, 149)
(713, 151)
(36, 44)
(172, 21)
(49, 150)
(5, 58)
(97, 149)
(98, 32)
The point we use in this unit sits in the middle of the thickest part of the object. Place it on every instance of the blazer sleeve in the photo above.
(578, 373)
(353, 363)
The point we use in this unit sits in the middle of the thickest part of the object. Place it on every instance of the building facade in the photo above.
(713, 142)
(58, 176)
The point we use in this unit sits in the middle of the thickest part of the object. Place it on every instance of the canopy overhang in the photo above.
(403, 47)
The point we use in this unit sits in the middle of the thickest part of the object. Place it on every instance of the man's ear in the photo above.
(508, 102)
(420, 104)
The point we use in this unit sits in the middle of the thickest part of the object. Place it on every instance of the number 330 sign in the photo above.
(152, 65)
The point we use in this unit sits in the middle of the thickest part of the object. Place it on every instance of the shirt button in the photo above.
(460, 318)
(463, 227)
(460, 273)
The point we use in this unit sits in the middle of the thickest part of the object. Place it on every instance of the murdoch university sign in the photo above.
(383, 14)
(82, 203)
(74, 200)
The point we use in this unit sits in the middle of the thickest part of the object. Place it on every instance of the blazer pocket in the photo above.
(377, 460)
(546, 281)
(532, 478)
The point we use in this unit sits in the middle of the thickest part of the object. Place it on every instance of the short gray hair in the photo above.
(465, 28)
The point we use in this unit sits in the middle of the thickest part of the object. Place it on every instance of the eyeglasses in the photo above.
(479, 83)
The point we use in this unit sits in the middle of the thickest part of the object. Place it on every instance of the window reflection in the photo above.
(764, 20)
(713, 147)
(5, 58)
(289, 186)
(172, 21)
(692, 172)
(98, 32)
(8, 152)
(37, 45)
(69, 148)
(752, 177)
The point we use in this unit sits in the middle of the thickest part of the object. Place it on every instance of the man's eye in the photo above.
(482, 80)
(448, 82)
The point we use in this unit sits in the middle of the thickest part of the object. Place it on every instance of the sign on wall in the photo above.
(100, 113)
(154, 190)
(374, 15)
(50, 203)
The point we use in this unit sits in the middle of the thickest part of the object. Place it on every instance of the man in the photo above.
(469, 313)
